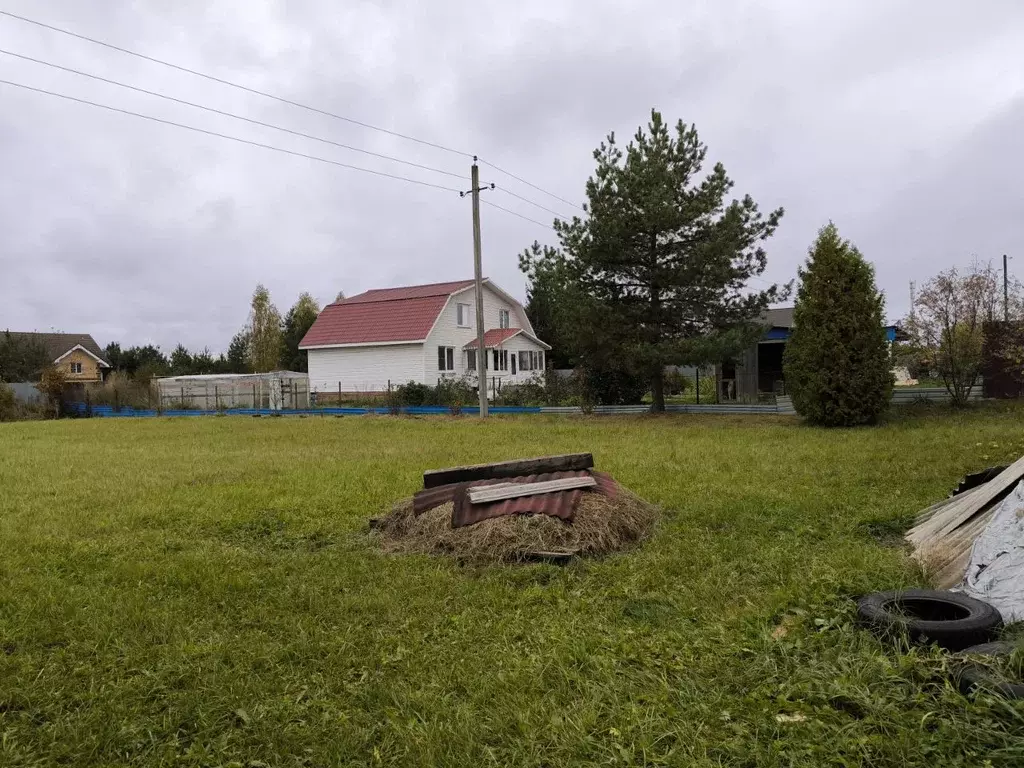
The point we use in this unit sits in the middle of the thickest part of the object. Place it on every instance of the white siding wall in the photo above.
(447, 333)
(365, 369)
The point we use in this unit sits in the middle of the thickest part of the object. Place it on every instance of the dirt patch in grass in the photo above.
(601, 525)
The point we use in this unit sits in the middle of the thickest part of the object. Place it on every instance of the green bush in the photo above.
(530, 393)
(414, 394)
(451, 393)
(610, 385)
(9, 410)
(676, 383)
(454, 393)
(837, 362)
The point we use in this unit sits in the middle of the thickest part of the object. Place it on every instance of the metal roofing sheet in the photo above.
(561, 504)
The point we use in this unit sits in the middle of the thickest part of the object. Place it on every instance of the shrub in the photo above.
(610, 385)
(414, 394)
(9, 410)
(530, 393)
(708, 388)
(51, 384)
(676, 383)
(837, 362)
(454, 393)
(121, 390)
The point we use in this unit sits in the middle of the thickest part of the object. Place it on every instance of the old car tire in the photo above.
(949, 619)
(973, 676)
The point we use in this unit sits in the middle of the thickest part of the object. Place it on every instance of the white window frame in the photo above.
(76, 368)
(531, 360)
(471, 360)
(500, 360)
(504, 318)
(446, 359)
(463, 315)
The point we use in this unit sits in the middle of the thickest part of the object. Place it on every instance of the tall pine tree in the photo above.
(661, 264)
(837, 361)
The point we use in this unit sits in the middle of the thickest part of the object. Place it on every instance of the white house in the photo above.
(420, 333)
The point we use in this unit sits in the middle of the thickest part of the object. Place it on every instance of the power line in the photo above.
(274, 97)
(506, 210)
(527, 183)
(261, 145)
(229, 114)
(222, 81)
(530, 202)
(229, 138)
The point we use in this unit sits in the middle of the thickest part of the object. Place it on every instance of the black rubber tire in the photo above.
(948, 619)
(973, 676)
(998, 648)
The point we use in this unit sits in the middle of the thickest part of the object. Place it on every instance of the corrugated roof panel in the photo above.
(561, 504)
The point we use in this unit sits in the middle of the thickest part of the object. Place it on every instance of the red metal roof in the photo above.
(382, 315)
(494, 337)
(409, 292)
(561, 504)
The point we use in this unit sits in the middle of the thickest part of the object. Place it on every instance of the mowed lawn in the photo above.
(204, 592)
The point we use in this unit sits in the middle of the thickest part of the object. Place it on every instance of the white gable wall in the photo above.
(365, 369)
(447, 333)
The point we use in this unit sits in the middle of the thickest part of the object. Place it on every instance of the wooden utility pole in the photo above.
(1006, 292)
(478, 281)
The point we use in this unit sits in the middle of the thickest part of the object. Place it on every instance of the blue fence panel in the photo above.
(106, 411)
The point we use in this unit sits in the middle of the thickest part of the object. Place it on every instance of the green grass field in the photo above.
(203, 592)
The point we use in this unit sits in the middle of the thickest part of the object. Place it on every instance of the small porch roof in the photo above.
(495, 337)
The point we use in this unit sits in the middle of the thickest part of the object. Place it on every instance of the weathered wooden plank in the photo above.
(489, 493)
(929, 517)
(970, 505)
(570, 462)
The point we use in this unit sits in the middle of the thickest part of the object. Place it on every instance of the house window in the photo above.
(500, 359)
(470, 359)
(503, 318)
(531, 361)
(463, 316)
(446, 358)
(76, 367)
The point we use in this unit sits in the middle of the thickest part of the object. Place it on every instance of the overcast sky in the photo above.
(903, 122)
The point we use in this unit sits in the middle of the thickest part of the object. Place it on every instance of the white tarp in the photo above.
(995, 572)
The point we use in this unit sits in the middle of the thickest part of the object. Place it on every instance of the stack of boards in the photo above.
(944, 533)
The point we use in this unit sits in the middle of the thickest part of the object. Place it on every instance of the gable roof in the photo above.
(495, 337)
(57, 345)
(382, 316)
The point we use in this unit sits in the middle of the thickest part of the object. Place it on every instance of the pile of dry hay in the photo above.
(601, 525)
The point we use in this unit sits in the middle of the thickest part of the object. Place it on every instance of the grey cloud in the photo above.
(898, 124)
